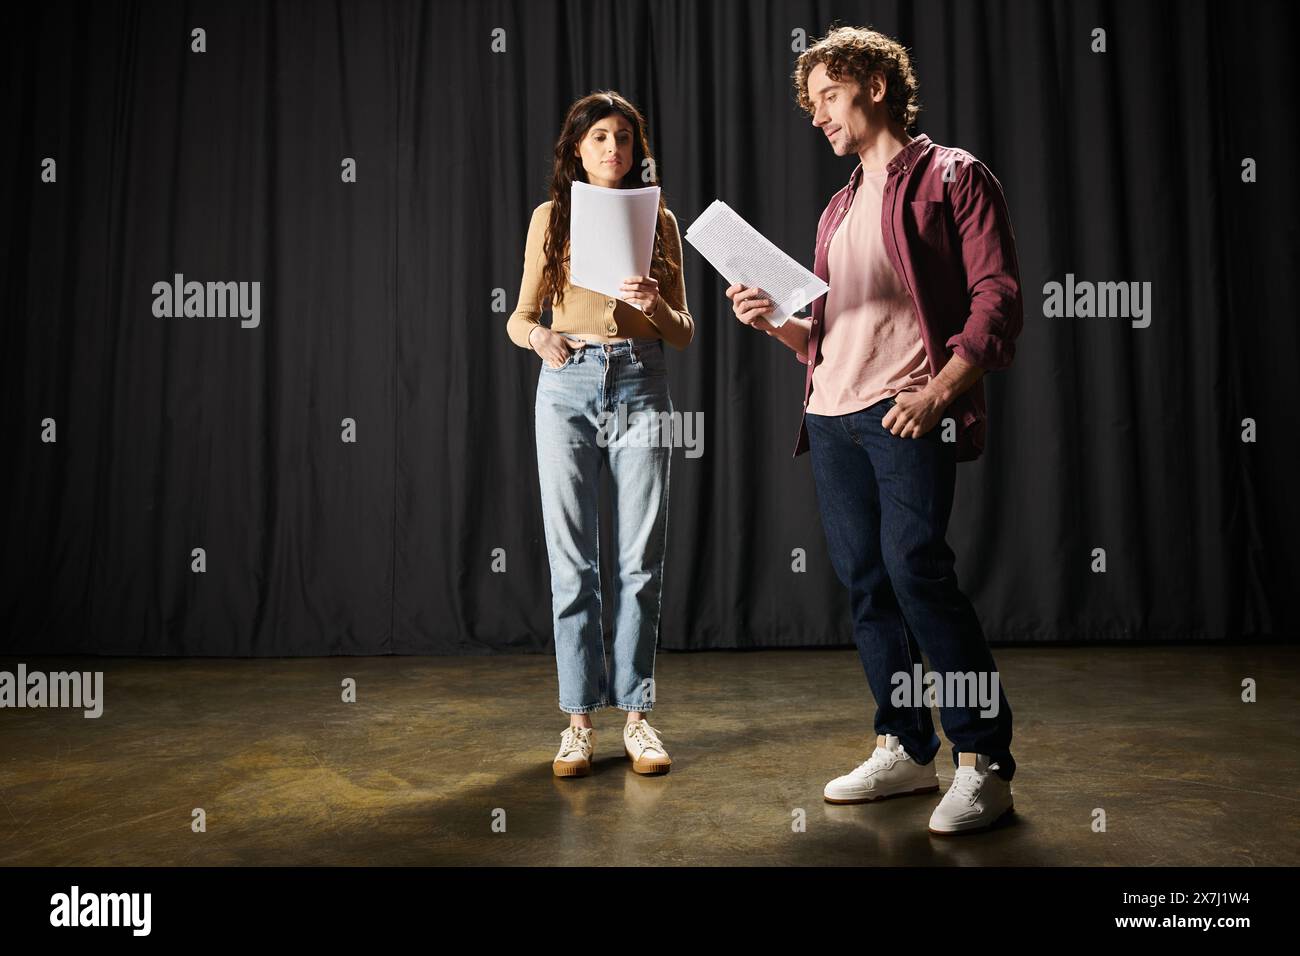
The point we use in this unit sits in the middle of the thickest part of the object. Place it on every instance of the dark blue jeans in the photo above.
(885, 503)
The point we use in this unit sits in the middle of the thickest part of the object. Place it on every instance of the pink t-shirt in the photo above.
(871, 346)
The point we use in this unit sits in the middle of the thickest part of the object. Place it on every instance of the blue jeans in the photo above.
(885, 503)
(573, 444)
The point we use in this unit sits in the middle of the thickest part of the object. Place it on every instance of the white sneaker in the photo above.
(641, 743)
(889, 772)
(574, 757)
(977, 799)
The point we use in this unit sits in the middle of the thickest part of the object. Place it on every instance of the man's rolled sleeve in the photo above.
(988, 251)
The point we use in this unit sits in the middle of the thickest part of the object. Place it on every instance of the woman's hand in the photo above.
(751, 305)
(642, 292)
(554, 348)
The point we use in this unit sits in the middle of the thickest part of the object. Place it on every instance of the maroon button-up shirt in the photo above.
(948, 233)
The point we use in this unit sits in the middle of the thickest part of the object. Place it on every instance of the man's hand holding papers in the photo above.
(752, 306)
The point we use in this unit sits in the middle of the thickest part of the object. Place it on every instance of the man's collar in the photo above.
(904, 158)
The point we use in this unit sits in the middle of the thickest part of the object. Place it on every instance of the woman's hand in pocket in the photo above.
(554, 348)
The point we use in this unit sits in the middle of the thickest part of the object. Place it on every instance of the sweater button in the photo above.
(612, 328)
(610, 303)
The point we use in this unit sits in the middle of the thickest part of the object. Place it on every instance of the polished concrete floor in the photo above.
(435, 750)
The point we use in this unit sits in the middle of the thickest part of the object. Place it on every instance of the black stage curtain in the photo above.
(383, 302)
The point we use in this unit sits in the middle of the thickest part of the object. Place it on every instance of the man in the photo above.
(924, 298)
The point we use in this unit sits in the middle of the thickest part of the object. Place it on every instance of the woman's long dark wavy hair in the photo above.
(582, 115)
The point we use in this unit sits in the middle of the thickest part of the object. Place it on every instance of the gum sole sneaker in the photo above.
(643, 747)
(977, 800)
(574, 756)
(889, 772)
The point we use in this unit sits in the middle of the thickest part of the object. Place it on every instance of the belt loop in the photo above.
(636, 354)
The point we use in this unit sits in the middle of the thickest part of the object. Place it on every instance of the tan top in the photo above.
(592, 313)
(871, 347)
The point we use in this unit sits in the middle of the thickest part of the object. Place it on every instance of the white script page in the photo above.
(742, 254)
(611, 235)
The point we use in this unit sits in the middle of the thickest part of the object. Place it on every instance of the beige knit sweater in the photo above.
(592, 312)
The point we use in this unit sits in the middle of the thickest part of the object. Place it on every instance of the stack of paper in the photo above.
(742, 254)
(611, 235)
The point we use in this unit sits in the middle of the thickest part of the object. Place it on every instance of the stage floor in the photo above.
(437, 750)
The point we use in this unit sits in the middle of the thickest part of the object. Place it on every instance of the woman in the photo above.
(600, 353)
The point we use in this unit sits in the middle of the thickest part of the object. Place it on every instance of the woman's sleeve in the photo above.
(524, 319)
(671, 316)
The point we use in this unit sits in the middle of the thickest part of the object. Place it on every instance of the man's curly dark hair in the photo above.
(855, 53)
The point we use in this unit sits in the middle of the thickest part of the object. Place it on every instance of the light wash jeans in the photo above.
(570, 456)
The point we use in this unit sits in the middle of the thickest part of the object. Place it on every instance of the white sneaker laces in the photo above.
(573, 741)
(646, 735)
(879, 760)
(965, 784)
